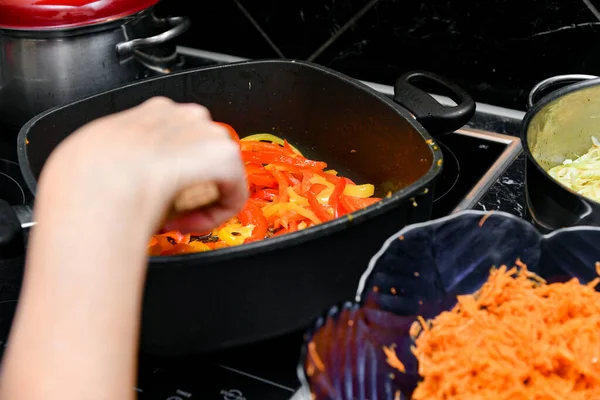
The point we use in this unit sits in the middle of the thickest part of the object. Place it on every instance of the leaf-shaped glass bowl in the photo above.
(420, 271)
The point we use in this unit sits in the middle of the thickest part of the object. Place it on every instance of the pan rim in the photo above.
(411, 191)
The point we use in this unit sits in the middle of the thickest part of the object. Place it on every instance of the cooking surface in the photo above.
(238, 374)
(264, 371)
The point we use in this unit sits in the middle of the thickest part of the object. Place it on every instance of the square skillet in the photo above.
(203, 302)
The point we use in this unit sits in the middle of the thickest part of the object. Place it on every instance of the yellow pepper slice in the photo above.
(363, 191)
(302, 225)
(296, 198)
(199, 246)
(271, 209)
(259, 137)
(323, 196)
(235, 234)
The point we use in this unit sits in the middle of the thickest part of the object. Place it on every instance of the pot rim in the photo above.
(537, 107)
(420, 187)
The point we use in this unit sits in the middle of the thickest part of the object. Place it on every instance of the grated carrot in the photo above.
(312, 352)
(392, 358)
(516, 338)
(485, 217)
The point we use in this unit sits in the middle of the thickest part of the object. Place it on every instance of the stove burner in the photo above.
(450, 173)
(11, 183)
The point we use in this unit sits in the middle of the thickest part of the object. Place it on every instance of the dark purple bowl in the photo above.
(420, 271)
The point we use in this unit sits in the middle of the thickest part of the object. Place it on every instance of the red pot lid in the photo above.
(59, 14)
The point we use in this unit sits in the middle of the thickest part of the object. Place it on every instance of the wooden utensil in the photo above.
(194, 198)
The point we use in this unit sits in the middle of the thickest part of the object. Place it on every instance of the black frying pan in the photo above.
(207, 301)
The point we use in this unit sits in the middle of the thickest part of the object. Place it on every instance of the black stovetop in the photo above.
(263, 371)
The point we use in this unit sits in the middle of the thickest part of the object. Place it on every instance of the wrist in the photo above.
(100, 201)
(84, 213)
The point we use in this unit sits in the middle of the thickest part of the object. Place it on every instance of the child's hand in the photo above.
(130, 165)
(101, 195)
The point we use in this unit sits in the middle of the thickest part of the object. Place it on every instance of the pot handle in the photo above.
(554, 81)
(435, 117)
(14, 220)
(178, 24)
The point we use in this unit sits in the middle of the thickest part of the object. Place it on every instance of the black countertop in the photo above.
(508, 192)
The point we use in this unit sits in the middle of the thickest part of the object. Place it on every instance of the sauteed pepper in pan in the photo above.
(287, 191)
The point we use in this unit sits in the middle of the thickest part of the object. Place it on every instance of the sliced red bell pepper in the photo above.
(351, 203)
(306, 183)
(280, 232)
(316, 188)
(262, 180)
(252, 215)
(287, 146)
(260, 202)
(230, 130)
(266, 194)
(293, 226)
(283, 185)
(177, 236)
(334, 199)
(255, 168)
(298, 189)
(278, 158)
(299, 171)
(155, 250)
(163, 242)
(292, 180)
(257, 175)
(292, 216)
(169, 239)
(318, 208)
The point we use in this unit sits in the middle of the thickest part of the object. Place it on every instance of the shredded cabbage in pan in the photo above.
(581, 175)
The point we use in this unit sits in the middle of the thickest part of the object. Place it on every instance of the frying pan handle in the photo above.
(559, 80)
(12, 243)
(434, 116)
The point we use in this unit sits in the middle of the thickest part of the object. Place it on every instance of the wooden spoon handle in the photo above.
(193, 198)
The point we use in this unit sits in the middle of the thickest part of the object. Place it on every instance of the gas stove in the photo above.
(475, 157)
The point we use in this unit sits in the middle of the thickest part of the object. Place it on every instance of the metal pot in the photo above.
(557, 127)
(46, 61)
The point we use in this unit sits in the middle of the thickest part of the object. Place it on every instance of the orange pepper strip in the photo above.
(283, 185)
(230, 130)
